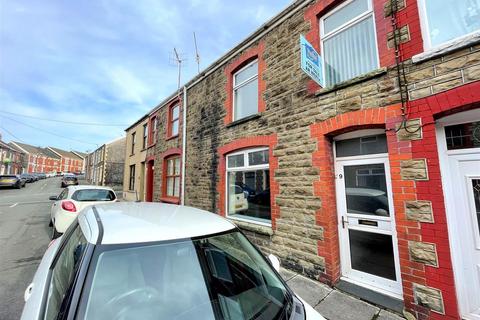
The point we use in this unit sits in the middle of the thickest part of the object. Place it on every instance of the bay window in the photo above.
(248, 185)
(447, 20)
(245, 91)
(348, 41)
(172, 177)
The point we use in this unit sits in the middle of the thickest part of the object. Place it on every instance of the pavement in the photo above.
(332, 303)
(24, 237)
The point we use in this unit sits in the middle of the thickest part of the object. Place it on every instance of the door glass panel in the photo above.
(361, 146)
(463, 136)
(372, 253)
(476, 198)
(366, 190)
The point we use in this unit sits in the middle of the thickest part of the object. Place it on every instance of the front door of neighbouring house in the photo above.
(459, 150)
(368, 242)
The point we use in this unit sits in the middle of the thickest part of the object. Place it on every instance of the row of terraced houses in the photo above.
(31, 159)
(370, 182)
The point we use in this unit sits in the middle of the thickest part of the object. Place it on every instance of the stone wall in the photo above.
(164, 144)
(302, 233)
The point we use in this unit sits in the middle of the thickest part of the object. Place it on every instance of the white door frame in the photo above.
(455, 227)
(384, 286)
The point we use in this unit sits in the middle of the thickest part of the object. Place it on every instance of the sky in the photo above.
(106, 62)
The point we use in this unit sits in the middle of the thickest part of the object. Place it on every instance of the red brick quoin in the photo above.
(237, 145)
(246, 57)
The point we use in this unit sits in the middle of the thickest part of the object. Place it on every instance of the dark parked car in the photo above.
(12, 181)
(28, 177)
(41, 175)
(69, 180)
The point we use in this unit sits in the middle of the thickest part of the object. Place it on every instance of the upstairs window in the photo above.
(174, 120)
(245, 91)
(153, 130)
(348, 41)
(145, 136)
(134, 138)
(446, 20)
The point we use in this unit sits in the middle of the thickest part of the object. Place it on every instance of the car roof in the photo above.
(135, 222)
(84, 187)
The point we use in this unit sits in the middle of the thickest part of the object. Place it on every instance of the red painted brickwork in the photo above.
(246, 57)
(411, 272)
(250, 142)
(429, 109)
(406, 16)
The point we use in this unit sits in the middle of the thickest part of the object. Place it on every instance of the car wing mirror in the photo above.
(53, 198)
(274, 261)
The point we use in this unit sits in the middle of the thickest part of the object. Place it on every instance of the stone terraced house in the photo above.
(370, 182)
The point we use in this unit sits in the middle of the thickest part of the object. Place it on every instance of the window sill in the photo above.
(367, 76)
(448, 47)
(253, 226)
(171, 200)
(171, 137)
(243, 120)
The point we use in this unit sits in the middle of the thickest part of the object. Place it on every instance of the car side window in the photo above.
(63, 272)
(62, 194)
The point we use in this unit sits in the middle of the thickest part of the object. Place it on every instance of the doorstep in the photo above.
(335, 304)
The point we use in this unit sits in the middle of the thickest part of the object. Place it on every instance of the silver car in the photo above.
(157, 261)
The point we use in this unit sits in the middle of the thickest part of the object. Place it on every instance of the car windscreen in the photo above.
(69, 178)
(93, 195)
(8, 177)
(217, 277)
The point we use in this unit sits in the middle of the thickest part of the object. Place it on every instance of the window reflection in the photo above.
(366, 190)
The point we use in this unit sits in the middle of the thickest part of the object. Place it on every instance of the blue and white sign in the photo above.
(311, 62)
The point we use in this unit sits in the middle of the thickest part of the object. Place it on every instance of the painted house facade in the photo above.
(38, 159)
(370, 181)
(70, 161)
(12, 160)
(136, 145)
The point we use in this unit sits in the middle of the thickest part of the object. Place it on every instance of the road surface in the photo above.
(24, 237)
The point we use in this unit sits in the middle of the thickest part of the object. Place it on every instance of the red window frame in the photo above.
(171, 120)
(176, 176)
(153, 127)
(253, 53)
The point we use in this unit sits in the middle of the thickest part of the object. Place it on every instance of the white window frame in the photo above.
(424, 26)
(245, 167)
(242, 84)
(346, 25)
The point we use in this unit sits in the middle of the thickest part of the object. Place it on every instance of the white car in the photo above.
(158, 261)
(71, 201)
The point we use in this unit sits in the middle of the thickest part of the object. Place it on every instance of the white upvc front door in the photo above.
(368, 241)
(461, 182)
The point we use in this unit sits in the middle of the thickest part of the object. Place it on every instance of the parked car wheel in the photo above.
(63, 185)
(18, 185)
